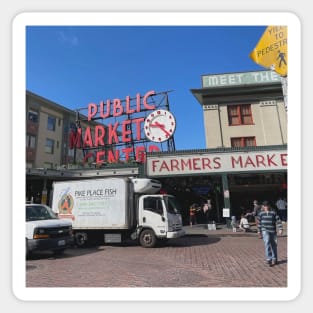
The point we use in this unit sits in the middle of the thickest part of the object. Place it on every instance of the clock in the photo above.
(159, 125)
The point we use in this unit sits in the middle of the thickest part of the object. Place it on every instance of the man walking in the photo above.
(256, 212)
(282, 209)
(269, 221)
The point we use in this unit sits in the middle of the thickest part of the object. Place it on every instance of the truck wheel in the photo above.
(147, 238)
(81, 239)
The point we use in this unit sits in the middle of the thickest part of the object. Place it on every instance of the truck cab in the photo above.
(159, 218)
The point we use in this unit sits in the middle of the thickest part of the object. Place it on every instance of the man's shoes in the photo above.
(274, 262)
(268, 262)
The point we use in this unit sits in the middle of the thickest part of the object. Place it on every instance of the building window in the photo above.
(51, 123)
(33, 116)
(71, 152)
(49, 147)
(240, 114)
(30, 141)
(243, 142)
(47, 165)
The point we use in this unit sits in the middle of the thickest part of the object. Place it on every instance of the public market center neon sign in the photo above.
(112, 134)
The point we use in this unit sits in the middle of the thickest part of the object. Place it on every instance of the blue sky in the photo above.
(76, 65)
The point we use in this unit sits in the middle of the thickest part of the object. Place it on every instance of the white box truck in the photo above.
(111, 210)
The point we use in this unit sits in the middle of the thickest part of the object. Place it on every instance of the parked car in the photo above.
(45, 231)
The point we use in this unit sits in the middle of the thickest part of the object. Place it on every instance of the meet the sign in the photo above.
(237, 79)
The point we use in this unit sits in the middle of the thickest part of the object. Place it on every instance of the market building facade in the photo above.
(48, 126)
(245, 158)
(48, 129)
(245, 123)
(243, 109)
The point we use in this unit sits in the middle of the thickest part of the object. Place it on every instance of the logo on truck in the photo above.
(66, 204)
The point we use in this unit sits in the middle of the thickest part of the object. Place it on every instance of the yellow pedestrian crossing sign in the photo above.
(271, 50)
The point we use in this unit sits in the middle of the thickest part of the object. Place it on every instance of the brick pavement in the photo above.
(200, 259)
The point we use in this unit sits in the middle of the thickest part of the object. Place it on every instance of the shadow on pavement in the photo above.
(30, 267)
(284, 261)
(191, 240)
(68, 253)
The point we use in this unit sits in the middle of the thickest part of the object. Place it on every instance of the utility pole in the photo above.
(284, 83)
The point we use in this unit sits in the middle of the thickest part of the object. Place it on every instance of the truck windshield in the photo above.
(39, 212)
(172, 205)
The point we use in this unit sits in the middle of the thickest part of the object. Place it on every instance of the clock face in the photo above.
(159, 125)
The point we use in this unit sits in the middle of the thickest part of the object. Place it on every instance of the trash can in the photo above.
(212, 226)
(228, 223)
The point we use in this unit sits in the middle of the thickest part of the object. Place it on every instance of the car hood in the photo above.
(50, 223)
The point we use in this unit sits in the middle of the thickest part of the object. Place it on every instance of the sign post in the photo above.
(284, 82)
(271, 52)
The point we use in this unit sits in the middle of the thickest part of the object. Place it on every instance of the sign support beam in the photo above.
(284, 82)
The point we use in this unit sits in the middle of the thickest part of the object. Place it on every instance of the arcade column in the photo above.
(226, 193)
(44, 192)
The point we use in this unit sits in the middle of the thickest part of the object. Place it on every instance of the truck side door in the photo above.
(153, 215)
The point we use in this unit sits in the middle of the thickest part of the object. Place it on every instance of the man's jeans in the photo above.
(283, 215)
(270, 242)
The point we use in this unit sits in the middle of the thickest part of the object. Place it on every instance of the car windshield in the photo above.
(39, 212)
(173, 206)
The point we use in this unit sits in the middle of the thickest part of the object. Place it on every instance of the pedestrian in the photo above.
(282, 208)
(244, 224)
(269, 222)
(234, 223)
(205, 210)
(257, 208)
(192, 214)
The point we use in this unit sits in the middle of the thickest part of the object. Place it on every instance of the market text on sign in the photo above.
(114, 133)
(258, 161)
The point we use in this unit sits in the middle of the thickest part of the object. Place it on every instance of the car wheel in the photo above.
(81, 239)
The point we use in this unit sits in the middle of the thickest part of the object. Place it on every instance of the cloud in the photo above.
(67, 38)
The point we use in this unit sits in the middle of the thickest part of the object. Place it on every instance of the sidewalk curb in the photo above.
(221, 231)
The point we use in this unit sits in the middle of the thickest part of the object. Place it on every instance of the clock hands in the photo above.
(161, 126)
